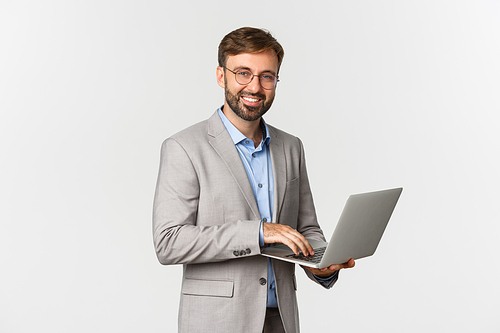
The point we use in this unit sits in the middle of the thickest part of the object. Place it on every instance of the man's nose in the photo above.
(254, 85)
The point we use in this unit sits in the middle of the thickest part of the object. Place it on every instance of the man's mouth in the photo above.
(251, 101)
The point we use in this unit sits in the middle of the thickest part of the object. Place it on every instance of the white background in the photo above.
(382, 93)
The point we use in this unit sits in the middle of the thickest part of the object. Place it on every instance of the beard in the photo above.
(246, 112)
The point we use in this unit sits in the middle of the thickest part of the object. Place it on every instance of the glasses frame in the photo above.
(251, 79)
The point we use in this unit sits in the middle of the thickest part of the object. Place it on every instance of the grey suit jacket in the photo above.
(206, 218)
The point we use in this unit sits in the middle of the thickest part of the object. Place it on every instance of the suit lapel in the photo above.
(221, 141)
(279, 171)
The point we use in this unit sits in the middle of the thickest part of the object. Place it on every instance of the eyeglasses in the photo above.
(244, 77)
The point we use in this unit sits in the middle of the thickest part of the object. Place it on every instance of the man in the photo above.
(226, 187)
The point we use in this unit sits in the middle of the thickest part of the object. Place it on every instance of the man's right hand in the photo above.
(280, 233)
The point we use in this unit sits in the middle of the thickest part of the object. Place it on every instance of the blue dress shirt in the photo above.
(257, 163)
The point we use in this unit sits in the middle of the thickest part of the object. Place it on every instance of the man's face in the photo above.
(250, 101)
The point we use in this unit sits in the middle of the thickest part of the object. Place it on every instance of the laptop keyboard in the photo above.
(316, 258)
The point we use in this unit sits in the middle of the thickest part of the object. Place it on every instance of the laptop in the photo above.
(357, 234)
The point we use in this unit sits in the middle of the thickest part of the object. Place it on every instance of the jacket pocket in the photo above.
(214, 288)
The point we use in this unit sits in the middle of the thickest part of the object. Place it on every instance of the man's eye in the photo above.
(244, 73)
(268, 77)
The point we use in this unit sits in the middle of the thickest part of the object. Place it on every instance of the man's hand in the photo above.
(327, 271)
(280, 233)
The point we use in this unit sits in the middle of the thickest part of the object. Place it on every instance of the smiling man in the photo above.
(227, 187)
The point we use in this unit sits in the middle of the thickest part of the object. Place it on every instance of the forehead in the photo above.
(266, 61)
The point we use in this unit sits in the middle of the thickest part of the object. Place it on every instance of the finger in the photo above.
(295, 245)
(304, 246)
(301, 242)
(308, 245)
(290, 244)
(349, 264)
(293, 239)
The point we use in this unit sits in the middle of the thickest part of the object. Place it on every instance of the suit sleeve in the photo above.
(307, 219)
(177, 237)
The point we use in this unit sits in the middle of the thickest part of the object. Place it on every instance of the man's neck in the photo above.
(250, 129)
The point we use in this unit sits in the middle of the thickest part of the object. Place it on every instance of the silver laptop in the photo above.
(357, 234)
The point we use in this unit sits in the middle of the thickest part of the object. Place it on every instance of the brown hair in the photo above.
(248, 40)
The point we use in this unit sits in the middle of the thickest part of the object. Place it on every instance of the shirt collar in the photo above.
(236, 135)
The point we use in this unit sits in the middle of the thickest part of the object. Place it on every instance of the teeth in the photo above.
(251, 99)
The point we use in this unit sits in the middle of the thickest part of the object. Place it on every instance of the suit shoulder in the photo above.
(190, 139)
(193, 132)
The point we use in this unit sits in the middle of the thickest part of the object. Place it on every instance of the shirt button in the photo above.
(260, 185)
(253, 155)
(262, 281)
(247, 142)
(264, 220)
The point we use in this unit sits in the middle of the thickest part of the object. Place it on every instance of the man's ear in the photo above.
(220, 77)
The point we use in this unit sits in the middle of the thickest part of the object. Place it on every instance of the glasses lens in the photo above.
(268, 81)
(243, 76)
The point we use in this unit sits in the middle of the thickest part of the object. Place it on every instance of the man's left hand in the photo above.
(327, 271)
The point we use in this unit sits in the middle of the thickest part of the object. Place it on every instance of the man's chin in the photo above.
(252, 109)
(249, 113)
(252, 115)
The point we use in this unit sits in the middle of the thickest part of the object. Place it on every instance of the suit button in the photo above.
(236, 253)
(249, 251)
(242, 253)
(262, 281)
